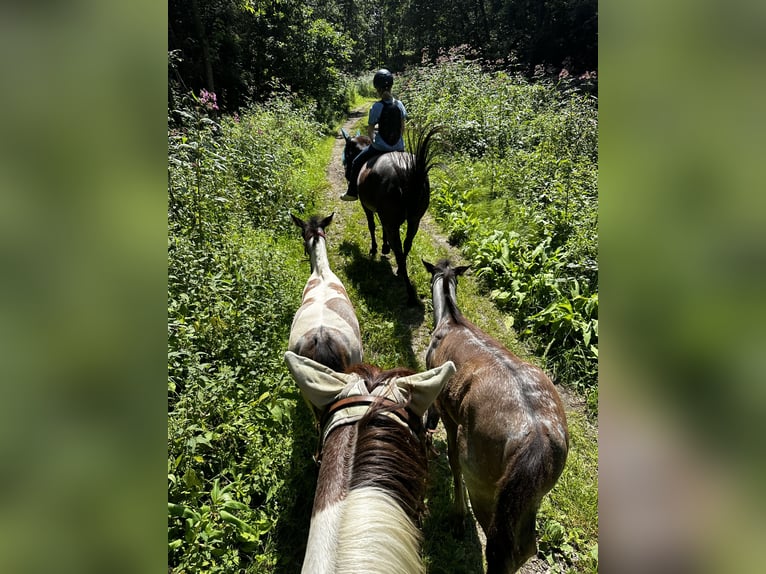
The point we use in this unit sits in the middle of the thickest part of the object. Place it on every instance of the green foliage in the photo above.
(567, 522)
(233, 286)
(240, 474)
(248, 51)
(519, 195)
(224, 175)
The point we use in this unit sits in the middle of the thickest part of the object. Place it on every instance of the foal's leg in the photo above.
(454, 463)
(371, 226)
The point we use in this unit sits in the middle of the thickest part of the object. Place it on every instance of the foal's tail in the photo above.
(511, 537)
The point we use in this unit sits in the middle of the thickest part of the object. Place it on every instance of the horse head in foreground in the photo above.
(372, 476)
(325, 327)
(506, 427)
(395, 185)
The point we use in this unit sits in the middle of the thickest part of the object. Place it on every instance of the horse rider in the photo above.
(389, 113)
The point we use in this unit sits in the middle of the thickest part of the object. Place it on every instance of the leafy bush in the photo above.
(233, 286)
(519, 194)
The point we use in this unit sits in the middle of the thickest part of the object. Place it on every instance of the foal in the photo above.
(372, 476)
(505, 423)
(325, 327)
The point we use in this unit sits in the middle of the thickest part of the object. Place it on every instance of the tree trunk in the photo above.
(206, 61)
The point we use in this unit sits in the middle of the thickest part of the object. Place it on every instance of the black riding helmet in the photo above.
(383, 79)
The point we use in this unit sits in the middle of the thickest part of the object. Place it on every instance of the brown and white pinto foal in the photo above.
(373, 471)
(325, 327)
(506, 428)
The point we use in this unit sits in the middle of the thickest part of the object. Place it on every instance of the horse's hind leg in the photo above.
(453, 456)
(401, 264)
(386, 249)
(371, 226)
(412, 229)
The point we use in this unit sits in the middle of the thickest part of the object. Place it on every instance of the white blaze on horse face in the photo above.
(426, 386)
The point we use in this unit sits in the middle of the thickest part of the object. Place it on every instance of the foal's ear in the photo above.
(318, 383)
(326, 221)
(299, 222)
(429, 266)
(461, 269)
(425, 387)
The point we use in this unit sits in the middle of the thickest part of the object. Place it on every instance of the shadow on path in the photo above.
(450, 546)
(384, 294)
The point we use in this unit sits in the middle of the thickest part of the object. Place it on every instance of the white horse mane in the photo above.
(365, 533)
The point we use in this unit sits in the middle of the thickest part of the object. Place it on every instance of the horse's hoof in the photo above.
(386, 250)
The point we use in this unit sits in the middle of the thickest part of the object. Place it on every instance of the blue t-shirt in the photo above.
(378, 142)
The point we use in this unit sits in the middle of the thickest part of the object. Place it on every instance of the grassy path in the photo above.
(397, 335)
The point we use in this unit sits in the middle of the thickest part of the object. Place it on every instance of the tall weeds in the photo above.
(231, 296)
(519, 194)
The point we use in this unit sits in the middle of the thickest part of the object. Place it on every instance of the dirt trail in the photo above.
(422, 333)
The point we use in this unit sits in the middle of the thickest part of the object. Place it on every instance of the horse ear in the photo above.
(461, 269)
(345, 134)
(429, 266)
(318, 383)
(425, 387)
(299, 222)
(326, 221)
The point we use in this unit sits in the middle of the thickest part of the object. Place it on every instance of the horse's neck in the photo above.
(329, 501)
(320, 264)
(441, 308)
(359, 530)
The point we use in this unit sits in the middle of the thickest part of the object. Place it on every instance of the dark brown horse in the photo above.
(373, 471)
(395, 186)
(506, 428)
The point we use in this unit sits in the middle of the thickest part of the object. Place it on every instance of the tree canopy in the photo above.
(245, 50)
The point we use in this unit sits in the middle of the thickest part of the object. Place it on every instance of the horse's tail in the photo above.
(511, 536)
(421, 160)
(325, 348)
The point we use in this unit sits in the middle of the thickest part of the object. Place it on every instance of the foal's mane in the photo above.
(448, 274)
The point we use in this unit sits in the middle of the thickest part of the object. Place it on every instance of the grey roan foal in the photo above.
(506, 428)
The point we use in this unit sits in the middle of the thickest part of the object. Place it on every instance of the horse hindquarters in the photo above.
(511, 538)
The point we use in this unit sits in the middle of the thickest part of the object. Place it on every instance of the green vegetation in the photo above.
(245, 51)
(518, 194)
(240, 441)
